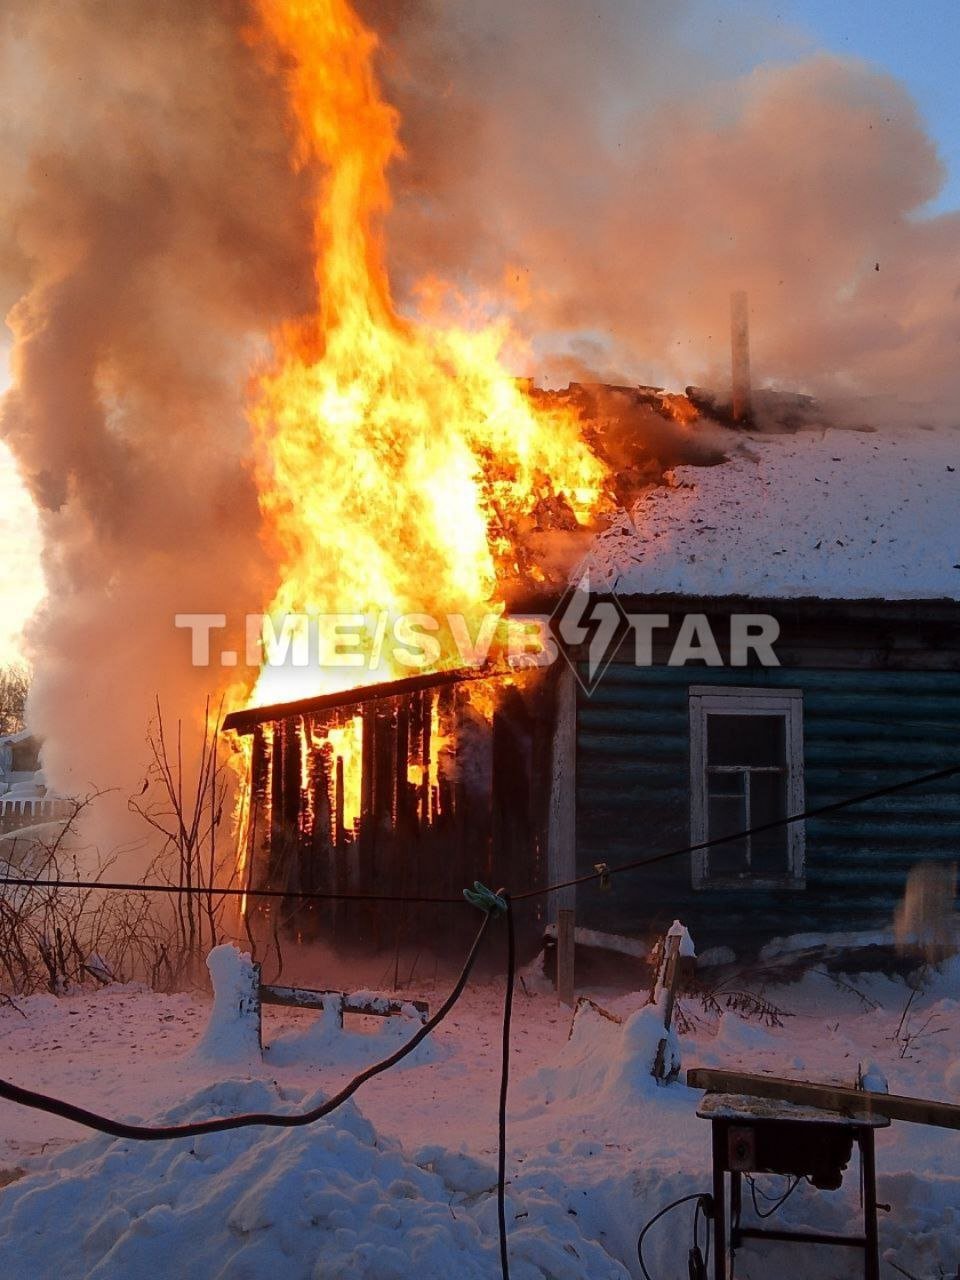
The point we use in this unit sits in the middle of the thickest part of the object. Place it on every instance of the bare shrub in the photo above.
(57, 920)
(62, 925)
(731, 993)
(183, 801)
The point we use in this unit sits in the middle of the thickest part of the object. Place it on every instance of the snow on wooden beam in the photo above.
(246, 721)
(829, 1097)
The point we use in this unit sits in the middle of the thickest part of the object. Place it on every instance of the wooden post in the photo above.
(669, 982)
(275, 862)
(562, 808)
(665, 995)
(250, 1006)
(566, 945)
(719, 1203)
(740, 356)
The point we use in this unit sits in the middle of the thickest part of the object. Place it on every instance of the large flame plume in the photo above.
(394, 456)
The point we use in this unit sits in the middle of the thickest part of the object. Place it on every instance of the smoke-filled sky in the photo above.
(608, 171)
(628, 166)
(917, 43)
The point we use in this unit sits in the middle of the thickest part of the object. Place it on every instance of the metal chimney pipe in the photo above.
(740, 356)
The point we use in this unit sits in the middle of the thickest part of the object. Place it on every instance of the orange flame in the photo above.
(679, 407)
(346, 744)
(392, 457)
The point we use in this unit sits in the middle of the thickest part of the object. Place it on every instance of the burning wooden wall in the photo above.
(415, 788)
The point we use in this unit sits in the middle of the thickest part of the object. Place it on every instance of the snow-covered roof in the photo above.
(830, 513)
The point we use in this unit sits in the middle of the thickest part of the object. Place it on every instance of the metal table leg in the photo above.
(719, 1135)
(736, 1210)
(871, 1252)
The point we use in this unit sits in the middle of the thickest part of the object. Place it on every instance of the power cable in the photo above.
(705, 1205)
(274, 1120)
(607, 870)
(775, 1202)
(504, 1083)
(819, 812)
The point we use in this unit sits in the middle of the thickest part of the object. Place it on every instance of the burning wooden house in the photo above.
(418, 787)
(410, 789)
(399, 467)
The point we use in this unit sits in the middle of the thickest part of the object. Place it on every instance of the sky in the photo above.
(918, 41)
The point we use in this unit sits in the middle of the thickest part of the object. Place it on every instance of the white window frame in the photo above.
(711, 700)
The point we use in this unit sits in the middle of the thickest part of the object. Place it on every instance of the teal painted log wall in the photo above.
(862, 730)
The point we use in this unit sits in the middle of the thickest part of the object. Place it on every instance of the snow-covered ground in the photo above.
(402, 1183)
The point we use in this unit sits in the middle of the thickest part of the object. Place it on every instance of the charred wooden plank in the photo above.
(274, 863)
(258, 828)
(426, 728)
(316, 853)
(367, 756)
(339, 829)
(384, 787)
(292, 785)
(402, 767)
(291, 813)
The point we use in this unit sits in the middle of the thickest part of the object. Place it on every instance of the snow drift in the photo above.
(334, 1199)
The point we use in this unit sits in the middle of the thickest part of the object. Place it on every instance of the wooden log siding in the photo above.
(483, 818)
(258, 831)
(863, 729)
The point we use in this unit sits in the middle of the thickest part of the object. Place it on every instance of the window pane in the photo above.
(768, 801)
(755, 740)
(726, 813)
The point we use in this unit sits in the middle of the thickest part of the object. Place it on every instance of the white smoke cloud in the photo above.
(627, 166)
(152, 232)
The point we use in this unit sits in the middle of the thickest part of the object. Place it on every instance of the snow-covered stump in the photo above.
(233, 1032)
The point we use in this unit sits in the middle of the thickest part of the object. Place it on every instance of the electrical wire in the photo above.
(696, 1218)
(775, 1202)
(834, 806)
(607, 870)
(226, 891)
(504, 1084)
(274, 1120)
(704, 1200)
